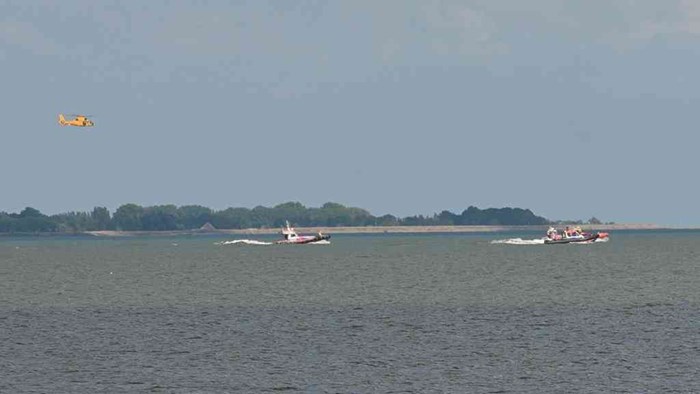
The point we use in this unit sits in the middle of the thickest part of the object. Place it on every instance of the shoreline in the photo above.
(380, 230)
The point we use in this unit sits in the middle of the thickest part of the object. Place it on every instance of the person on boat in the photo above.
(553, 234)
(573, 231)
(567, 232)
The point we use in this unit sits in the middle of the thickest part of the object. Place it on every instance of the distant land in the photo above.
(330, 217)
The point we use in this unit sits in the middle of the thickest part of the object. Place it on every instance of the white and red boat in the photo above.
(291, 236)
(572, 236)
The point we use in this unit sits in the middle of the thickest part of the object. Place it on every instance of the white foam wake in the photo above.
(519, 241)
(243, 241)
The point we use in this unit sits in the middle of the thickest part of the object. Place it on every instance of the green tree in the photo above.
(446, 218)
(194, 216)
(262, 217)
(387, 220)
(128, 217)
(233, 218)
(293, 211)
(7, 223)
(30, 212)
(30, 220)
(101, 218)
(159, 218)
(73, 222)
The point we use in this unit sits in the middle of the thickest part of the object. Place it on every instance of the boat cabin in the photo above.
(288, 232)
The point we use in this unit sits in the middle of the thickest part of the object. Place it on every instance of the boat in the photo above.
(290, 236)
(573, 236)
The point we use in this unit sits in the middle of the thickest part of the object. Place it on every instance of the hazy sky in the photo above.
(570, 108)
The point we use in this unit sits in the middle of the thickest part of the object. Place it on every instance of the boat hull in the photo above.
(587, 238)
(305, 239)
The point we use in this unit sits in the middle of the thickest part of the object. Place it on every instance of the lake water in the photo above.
(431, 313)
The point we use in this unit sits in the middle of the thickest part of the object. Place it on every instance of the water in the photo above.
(378, 313)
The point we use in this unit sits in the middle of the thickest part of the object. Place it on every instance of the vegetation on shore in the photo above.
(133, 217)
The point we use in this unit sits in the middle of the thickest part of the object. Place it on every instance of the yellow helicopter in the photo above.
(79, 121)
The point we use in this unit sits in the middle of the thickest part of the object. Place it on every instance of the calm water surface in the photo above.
(366, 314)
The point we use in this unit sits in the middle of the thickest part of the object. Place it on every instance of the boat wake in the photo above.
(259, 243)
(519, 241)
(539, 241)
(243, 242)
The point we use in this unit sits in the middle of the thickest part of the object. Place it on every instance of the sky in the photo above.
(572, 109)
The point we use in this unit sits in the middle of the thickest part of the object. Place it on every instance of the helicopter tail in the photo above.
(61, 120)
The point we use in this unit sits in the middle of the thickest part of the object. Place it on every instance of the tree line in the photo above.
(133, 217)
